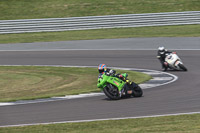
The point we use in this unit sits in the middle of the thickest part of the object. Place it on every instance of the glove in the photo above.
(112, 72)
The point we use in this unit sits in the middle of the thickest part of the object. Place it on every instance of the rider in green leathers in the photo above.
(109, 72)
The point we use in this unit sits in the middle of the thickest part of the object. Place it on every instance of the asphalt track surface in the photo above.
(178, 97)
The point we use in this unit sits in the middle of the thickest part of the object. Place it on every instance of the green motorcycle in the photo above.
(115, 88)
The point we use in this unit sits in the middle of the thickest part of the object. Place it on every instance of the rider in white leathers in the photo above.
(162, 53)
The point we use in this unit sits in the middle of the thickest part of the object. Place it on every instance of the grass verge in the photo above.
(23, 9)
(161, 31)
(166, 124)
(33, 82)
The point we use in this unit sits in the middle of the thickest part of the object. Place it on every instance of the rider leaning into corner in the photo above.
(162, 53)
(104, 70)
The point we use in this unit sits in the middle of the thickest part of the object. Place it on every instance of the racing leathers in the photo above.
(123, 77)
(111, 72)
(161, 56)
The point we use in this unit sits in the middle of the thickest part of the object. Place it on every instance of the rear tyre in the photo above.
(182, 67)
(137, 91)
(111, 92)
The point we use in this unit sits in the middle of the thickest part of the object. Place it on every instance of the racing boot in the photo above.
(129, 83)
(165, 66)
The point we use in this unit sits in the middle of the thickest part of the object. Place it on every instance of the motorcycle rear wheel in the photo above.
(137, 91)
(111, 92)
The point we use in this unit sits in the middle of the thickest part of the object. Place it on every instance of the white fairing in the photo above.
(173, 60)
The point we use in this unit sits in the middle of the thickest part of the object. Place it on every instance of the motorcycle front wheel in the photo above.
(182, 67)
(111, 92)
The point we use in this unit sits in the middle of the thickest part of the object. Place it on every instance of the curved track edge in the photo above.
(158, 78)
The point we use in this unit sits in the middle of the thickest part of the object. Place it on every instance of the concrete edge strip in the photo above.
(145, 85)
(106, 119)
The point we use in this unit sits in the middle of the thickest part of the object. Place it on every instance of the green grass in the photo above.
(23, 9)
(32, 82)
(167, 124)
(162, 31)
(29, 9)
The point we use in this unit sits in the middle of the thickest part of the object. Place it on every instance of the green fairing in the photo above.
(104, 79)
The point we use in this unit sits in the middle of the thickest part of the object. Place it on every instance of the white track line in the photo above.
(43, 50)
(91, 120)
(162, 78)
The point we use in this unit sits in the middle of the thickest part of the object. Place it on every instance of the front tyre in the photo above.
(111, 92)
(182, 67)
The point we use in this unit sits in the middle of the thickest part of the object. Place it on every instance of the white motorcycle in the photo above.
(174, 62)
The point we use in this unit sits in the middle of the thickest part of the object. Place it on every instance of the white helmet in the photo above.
(161, 50)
